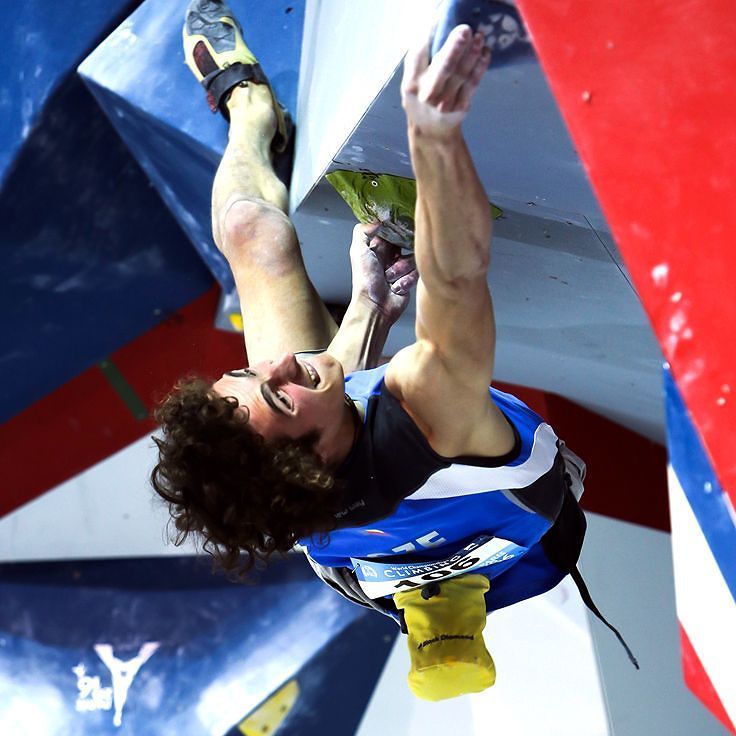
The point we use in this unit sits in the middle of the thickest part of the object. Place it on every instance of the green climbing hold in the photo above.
(383, 198)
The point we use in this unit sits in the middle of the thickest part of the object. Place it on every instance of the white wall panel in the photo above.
(350, 50)
(547, 680)
(109, 510)
(629, 572)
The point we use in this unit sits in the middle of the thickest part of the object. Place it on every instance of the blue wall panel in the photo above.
(91, 257)
(139, 78)
(42, 44)
(704, 493)
(223, 648)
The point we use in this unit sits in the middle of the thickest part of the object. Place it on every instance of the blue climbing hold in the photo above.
(499, 21)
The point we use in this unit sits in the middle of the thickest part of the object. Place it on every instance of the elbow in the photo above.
(462, 288)
(480, 261)
(457, 287)
(458, 270)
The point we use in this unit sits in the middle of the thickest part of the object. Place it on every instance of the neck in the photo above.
(345, 436)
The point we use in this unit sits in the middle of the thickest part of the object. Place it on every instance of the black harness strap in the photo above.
(562, 545)
(585, 595)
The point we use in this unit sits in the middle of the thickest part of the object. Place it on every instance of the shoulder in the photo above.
(414, 370)
(414, 374)
(457, 417)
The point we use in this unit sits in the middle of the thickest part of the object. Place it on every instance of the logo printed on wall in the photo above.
(92, 696)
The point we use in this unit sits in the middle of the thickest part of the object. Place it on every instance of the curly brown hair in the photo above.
(235, 491)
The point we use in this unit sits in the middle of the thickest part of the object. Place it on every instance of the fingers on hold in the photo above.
(415, 62)
(450, 93)
(473, 81)
(404, 285)
(395, 253)
(460, 41)
(481, 64)
(384, 251)
(412, 277)
(459, 36)
(472, 55)
(365, 232)
(446, 63)
(401, 267)
(457, 68)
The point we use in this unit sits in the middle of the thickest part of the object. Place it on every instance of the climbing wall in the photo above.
(111, 283)
(644, 90)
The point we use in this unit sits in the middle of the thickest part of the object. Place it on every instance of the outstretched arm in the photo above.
(455, 327)
(382, 282)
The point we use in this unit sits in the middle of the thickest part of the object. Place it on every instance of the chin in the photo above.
(331, 371)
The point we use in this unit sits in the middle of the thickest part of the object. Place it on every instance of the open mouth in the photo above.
(312, 374)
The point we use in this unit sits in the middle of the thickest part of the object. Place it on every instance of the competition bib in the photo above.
(379, 579)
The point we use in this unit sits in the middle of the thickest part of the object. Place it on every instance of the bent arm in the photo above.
(360, 339)
(382, 281)
(452, 249)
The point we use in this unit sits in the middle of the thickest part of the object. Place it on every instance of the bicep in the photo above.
(458, 321)
(442, 380)
(455, 414)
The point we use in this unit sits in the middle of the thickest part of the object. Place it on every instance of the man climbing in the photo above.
(415, 489)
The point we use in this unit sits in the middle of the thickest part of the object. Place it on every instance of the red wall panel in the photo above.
(647, 92)
(86, 420)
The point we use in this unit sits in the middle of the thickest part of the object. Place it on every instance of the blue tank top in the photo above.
(410, 515)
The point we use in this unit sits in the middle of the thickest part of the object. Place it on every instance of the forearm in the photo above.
(453, 218)
(359, 342)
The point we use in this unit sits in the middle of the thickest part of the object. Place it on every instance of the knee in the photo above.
(259, 233)
(248, 220)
